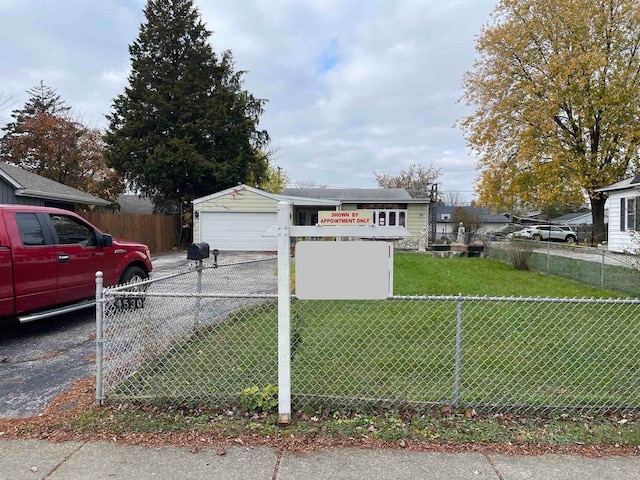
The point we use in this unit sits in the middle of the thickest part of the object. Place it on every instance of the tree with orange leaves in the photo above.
(44, 139)
(555, 92)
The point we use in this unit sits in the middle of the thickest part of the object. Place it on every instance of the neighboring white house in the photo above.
(239, 218)
(624, 215)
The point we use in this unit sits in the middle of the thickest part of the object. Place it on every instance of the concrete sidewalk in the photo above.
(34, 459)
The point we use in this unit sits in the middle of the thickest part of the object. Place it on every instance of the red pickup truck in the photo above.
(49, 258)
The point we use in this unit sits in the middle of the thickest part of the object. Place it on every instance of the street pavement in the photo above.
(39, 459)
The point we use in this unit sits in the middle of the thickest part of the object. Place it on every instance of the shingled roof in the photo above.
(352, 194)
(628, 183)
(29, 184)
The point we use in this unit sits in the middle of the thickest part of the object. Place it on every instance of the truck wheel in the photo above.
(133, 275)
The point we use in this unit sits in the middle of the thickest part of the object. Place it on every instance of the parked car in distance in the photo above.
(504, 231)
(557, 233)
(49, 258)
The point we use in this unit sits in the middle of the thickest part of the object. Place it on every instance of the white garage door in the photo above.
(238, 231)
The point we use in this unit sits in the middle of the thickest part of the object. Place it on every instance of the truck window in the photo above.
(30, 229)
(71, 231)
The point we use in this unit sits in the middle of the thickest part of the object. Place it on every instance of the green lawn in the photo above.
(513, 353)
(425, 275)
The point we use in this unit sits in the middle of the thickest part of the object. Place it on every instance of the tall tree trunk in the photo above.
(597, 217)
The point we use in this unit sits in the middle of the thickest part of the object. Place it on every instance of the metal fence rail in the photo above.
(492, 354)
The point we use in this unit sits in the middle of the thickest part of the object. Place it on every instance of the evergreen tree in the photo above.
(184, 127)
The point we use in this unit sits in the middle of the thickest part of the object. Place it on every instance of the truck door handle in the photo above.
(63, 258)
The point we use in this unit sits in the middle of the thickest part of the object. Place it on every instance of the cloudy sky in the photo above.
(353, 86)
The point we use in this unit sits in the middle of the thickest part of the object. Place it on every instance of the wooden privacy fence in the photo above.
(160, 232)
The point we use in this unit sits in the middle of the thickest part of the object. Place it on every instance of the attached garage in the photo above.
(236, 219)
(244, 231)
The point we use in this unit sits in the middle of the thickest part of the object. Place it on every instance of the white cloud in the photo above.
(114, 76)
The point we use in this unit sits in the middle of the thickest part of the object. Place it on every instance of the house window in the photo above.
(389, 218)
(387, 214)
(629, 214)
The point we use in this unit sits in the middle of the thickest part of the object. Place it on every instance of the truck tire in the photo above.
(571, 239)
(133, 275)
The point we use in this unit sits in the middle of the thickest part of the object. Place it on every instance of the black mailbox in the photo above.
(198, 251)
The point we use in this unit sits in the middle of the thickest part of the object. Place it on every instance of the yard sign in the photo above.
(285, 232)
(344, 270)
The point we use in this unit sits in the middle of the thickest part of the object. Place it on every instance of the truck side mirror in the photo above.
(198, 251)
(105, 240)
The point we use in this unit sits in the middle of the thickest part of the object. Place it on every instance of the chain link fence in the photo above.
(592, 266)
(200, 335)
(491, 354)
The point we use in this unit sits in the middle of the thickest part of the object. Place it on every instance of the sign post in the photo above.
(284, 314)
(358, 224)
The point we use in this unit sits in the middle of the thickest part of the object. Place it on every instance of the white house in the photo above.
(624, 215)
(239, 218)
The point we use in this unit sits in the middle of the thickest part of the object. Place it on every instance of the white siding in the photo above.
(619, 241)
(237, 201)
(239, 231)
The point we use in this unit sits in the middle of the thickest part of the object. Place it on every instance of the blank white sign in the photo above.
(344, 270)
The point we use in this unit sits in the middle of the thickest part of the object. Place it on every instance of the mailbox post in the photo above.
(198, 252)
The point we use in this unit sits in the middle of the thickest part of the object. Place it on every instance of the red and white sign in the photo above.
(355, 217)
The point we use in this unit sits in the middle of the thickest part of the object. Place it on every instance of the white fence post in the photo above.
(99, 338)
(284, 314)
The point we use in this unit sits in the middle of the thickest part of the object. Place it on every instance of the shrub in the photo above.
(521, 253)
(256, 399)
